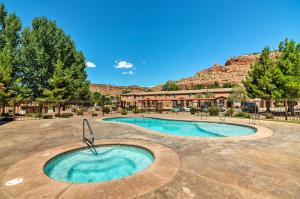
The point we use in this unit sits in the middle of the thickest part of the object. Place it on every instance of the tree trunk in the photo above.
(285, 110)
(59, 109)
(3, 109)
(14, 109)
(268, 110)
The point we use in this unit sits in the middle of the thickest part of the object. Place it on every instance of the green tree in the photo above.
(59, 84)
(12, 92)
(289, 69)
(96, 97)
(170, 86)
(261, 81)
(239, 94)
(199, 87)
(214, 85)
(42, 46)
(229, 85)
(5, 78)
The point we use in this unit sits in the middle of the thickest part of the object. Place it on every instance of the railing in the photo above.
(88, 142)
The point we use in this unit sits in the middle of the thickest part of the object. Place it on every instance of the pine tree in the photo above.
(59, 91)
(289, 69)
(261, 79)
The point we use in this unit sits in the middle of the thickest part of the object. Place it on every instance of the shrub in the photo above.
(106, 109)
(242, 114)
(64, 115)
(94, 114)
(229, 112)
(136, 111)
(47, 116)
(79, 112)
(193, 110)
(143, 110)
(37, 115)
(73, 109)
(269, 116)
(213, 111)
(160, 110)
(124, 112)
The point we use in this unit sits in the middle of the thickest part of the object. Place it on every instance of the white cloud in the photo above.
(90, 64)
(128, 73)
(123, 64)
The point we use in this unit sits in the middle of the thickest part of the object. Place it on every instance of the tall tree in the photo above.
(42, 46)
(239, 94)
(289, 69)
(59, 83)
(10, 26)
(170, 86)
(261, 81)
(5, 78)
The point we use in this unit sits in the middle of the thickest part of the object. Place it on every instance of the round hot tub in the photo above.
(103, 163)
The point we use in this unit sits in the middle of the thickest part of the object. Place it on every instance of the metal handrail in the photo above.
(84, 139)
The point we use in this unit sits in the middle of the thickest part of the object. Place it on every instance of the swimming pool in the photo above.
(187, 128)
(105, 163)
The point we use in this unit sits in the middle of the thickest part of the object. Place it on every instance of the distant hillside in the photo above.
(234, 71)
(112, 90)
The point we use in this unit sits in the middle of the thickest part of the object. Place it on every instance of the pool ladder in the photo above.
(88, 142)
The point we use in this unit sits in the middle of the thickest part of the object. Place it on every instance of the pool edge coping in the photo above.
(261, 132)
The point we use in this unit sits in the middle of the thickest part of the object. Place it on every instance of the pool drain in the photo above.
(14, 182)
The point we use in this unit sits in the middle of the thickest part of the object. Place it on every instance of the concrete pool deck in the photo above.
(259, 168)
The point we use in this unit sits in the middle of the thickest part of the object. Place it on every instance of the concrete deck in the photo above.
(259, 168)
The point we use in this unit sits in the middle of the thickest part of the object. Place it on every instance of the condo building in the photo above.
(184, 98)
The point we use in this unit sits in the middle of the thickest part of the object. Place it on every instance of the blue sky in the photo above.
(147, 42)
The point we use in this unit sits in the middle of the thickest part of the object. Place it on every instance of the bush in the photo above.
(160, 110)
(143, 110)
(106, 109)
(269, 116)
(124, 112)
(242, 114)
(229, 112)
(213, 111)
(37, 115)
(74, 109)
(94, 114)
(193, 110)
(136, 111)
(64, 115)
(79, 112)
(47, 116)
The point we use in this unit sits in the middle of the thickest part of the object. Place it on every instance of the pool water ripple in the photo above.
(109, 163)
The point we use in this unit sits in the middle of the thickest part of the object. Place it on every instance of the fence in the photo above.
(282, 109)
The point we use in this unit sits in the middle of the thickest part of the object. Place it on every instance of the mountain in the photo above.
(234, 71)
(112, 90)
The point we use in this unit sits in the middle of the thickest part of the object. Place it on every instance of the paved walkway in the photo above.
(264, 168)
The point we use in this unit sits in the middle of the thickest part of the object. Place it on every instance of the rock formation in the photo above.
(234, 71)
(112, 90)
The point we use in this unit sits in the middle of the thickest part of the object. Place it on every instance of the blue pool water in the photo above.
(186, 128)
(109, 163)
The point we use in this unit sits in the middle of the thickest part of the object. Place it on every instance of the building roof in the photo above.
(215, 90)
